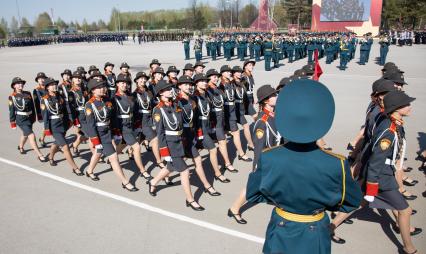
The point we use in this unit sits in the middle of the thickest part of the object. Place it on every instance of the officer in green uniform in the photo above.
(344, 55)
(300, 179)
(268, 53)
(213, 48)
(275, 52)
(384, 48)
(257, 48)
(186, 42)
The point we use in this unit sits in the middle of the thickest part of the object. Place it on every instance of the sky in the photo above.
(92, 10)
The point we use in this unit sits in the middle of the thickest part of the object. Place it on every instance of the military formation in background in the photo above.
(278, 49)
(407, 37)
(141, 37)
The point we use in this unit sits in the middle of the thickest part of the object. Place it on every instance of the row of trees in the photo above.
(227, 13)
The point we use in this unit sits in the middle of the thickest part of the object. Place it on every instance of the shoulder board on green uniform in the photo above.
(339, 156)
(270, 148)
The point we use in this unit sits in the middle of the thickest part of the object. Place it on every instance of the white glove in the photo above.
(369, 198)
(99, 148)
(168, 159)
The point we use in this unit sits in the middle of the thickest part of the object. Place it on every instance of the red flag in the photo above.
(317, 67)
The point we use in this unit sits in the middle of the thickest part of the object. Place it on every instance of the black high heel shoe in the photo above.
(189, 204)
(168, 181)
(52, 162)
(154, 191)
(226, 180)
(234, 215)
(77, 173)
(21, 150)
(241, 158)
(42, 143)
(250, 148)
(42, 159)
(214, 194)
(133, 189)
(226, 167)
(92, 176)
(146, 177)
(409, 183)
(337, 240)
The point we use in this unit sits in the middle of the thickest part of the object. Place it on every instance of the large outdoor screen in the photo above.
(345, 10)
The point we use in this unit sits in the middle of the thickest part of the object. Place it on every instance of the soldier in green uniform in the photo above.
(276, 52)
(300, 179)
(268, 53)
(257, 46)
(186, 43)
(344, 54)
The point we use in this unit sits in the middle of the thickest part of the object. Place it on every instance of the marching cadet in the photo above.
(267, 47)
(23, 115)
(143, 115)
(99, 119)
(265, 136)
(56, 123)
(124, 70)
(203, 110)
(64, 89)
(188, 70)
(156, 76)
(384, 48)
(228, 90)
(298, 222)
(240, 97)
(172, 73)
(186, 47)
(153, 65)
(198, 68)
(217, 118)
(77, 100)
(123, 124)
(110, 78)
(388, 147)
(92, 68)
(248, 80)
(192, 132)
(168, 122)
(38, 93)
(83, 74)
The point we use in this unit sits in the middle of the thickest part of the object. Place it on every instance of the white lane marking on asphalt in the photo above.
(141, 205)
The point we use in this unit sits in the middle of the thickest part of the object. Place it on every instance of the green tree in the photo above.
(299, 11)
(102, 25)
(2, 32)
(248, 14)
(43, 21)
(25, 22)
(3, 25)
(14, 26)
(61, 24)
(85, 26)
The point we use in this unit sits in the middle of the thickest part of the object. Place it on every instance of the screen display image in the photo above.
(345, 10)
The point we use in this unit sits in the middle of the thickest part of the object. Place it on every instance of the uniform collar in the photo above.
(269, 113)
(398, 122)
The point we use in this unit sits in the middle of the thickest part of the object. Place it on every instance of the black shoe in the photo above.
(189, 204)
(226, 180)
(349, 147)
(154, 191)
(338, 240)
(250, 148)
(215, 193)
(415, 232)
(42, 143)
(77, 173)
(410, 197)
(42, 159)
(133, 189)
(241, 158)
(21, 150)
(52, 162)
(149, 177)
(327, 148)
(407, 183)
(348, 221)
(92, 176)
(230, 170)
(234, 215)
(408, 169)
(168, 181)
(413, 211)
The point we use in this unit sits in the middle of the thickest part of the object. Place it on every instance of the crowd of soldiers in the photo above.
(279, 46)
(143, 37)
(342, 10)
(176, 117)
(407, 37)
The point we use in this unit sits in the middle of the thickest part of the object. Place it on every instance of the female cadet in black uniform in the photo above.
(110, 78)
(192, 132)
(387, 150)
(228, 90)
(99, 112)
(240, 111)
(23, 115)
(143, 115)
(203, 110)
(123, 123)
(248, 80)
(77, 101)
(56, 123)
(217, 118)
(38, 93)
(265, 136)
(168, 122)
(157, 75)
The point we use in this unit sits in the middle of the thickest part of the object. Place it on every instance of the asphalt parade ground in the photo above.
(46, 209)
